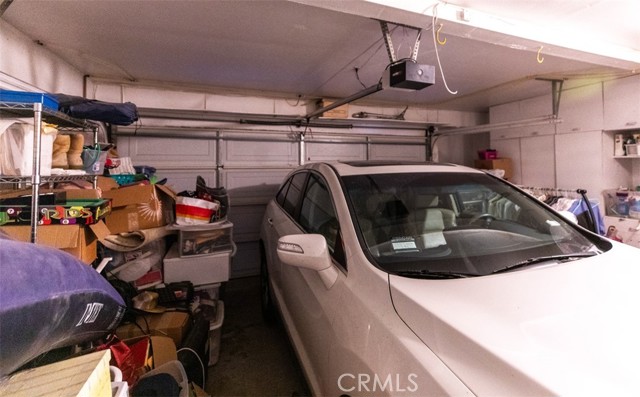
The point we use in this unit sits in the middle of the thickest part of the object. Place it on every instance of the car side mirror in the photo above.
(308, 251)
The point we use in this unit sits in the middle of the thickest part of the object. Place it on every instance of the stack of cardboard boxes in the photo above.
(79, 218)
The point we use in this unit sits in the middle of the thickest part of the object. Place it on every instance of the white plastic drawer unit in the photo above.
(202, 269)
(204, 239)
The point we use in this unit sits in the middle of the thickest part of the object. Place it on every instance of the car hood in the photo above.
(562, 329)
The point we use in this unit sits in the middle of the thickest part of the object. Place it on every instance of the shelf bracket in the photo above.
(386, 35)
(556, 92)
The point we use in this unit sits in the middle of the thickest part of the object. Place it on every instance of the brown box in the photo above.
(175, 325)
(340, 112)
(106, 183)
(499, 163)
(81, 194)
(164, 350)
(78, 240)
(140, 207)
(84, 375)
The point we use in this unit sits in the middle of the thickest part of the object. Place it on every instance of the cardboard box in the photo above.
(78, 240)
(164, 350)
(80, 194)
(106, 183)
(60, 194)
(175, 325)
(140, 207)
(340, 112)
(496, 164)
(202, 269)
(85, 375)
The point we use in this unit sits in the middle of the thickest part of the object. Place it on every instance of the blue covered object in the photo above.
(49, 299)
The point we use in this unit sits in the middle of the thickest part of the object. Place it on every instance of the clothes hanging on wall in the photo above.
(587, 211)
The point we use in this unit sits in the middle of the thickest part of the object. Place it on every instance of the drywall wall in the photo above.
(29, 66)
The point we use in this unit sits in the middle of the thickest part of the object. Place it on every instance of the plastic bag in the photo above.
(16, 147)
(195, 211)
(217, 194)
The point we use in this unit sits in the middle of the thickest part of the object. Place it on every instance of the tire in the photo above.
(267, 305)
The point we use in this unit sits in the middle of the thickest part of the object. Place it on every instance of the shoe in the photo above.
(74, 156)
(59, 157)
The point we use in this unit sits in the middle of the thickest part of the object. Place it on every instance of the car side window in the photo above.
(282, 193)
(290, 193)
(317, 215)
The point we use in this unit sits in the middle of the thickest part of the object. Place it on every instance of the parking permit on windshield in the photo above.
(404, 244)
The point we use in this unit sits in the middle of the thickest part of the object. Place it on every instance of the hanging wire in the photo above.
(435, 44)
(358, 77)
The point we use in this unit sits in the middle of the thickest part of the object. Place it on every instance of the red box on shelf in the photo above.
(488, 154)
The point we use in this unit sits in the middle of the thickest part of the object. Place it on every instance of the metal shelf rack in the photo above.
(63, 122)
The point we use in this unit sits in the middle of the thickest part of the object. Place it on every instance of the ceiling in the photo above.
(491, 51)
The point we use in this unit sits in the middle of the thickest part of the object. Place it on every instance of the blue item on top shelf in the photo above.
(47, 100)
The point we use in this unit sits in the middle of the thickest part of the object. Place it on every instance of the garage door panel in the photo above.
(398, 152)
(168, 152)
(185, 179)
(335, 151)
(259, 153)
(246, 261)
(246, 221)
(252, 186)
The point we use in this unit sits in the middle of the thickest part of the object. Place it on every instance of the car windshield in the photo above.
(457, 225)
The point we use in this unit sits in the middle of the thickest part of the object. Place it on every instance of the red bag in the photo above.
(130, 359)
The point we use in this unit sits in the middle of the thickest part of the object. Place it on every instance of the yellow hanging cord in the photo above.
(438, 36)
(539, 58)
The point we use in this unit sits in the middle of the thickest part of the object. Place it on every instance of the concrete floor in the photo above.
(256, 358)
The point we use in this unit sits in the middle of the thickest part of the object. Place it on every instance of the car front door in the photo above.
(309, 301)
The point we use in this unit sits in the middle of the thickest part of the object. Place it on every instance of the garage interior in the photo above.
(240, 93)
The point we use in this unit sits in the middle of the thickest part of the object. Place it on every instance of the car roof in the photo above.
(344, 168)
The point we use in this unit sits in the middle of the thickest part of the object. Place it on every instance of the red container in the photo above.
(488, 154)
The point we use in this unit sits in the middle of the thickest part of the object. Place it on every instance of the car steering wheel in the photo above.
(488, 218)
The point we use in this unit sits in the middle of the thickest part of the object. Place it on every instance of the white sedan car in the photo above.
(426, 279)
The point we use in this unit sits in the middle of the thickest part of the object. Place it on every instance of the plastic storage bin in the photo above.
(175, 369)
(215, 332)
(205, 239)
(200, 270)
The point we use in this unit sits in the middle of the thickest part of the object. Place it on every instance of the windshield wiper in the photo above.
(540, 259)
(433, 275)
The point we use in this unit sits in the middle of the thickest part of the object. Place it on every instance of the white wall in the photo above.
(27, 66)
(577, 153)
